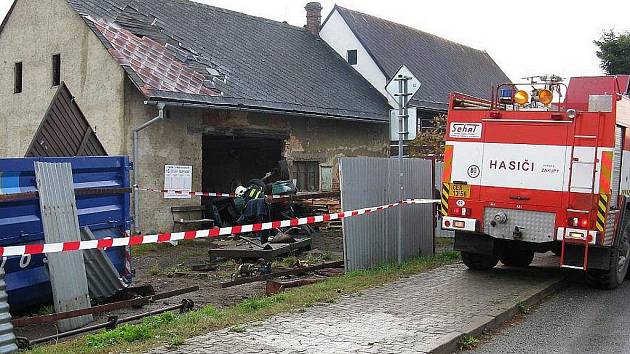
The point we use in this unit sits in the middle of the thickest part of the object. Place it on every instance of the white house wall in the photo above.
(34, 32)
(340, 37)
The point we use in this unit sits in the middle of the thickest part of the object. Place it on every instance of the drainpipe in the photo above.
(136, 165)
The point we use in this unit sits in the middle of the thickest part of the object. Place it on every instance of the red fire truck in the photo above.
(541, 170)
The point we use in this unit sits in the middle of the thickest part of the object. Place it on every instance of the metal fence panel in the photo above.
(103, 278)
(372, 239)
(61, 224)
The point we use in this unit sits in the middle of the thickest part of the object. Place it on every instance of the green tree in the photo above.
(614, 52)
(430, 144)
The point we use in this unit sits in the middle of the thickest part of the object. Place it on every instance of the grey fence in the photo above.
(439, 168)
(372, 239)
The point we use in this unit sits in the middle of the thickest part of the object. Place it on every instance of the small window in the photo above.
(352, 57)
(17, 80)
(56, 69)
(307, 175)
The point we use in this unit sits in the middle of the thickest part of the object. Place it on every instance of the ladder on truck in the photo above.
(579, 241)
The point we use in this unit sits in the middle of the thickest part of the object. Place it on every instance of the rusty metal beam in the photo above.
(21, 322)
(295, 271)
(274, 286)
(79, 191)
(185, 306)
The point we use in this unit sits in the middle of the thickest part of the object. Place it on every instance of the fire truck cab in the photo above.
(538, 171)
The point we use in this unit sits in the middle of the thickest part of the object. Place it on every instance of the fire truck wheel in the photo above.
(479, 261)
(614, 276)
(517, 258)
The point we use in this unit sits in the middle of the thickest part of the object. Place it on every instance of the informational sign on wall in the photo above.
(177, 178)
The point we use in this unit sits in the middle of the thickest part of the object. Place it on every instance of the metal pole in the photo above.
(136, 165)
(402, 115)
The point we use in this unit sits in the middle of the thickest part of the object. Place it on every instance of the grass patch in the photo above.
(523, 308)
(309, 259)
(156, 270)
(237, 329)
(443, 241)
(468, 343)
(45, 310)
(170, 329)
(149, 248)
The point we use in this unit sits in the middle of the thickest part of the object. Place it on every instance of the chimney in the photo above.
(313, 17)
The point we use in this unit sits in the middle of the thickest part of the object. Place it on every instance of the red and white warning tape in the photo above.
(188, 235)
(200, 194)
(185, 192)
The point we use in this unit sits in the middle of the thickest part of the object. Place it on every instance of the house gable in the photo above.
(442, 66)
(340, 37)
(88, 70)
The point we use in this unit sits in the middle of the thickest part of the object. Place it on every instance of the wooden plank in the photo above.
(65, 130)
(73, 113)
(58, 134)
(30, 151)
(66, 133)
(52, 141)
(84, 141)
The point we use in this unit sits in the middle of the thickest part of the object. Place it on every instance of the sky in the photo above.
(538, 37)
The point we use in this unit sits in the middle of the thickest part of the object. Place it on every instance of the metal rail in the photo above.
(78, 192)
(295, 271)
(112, 322)
(21, 322)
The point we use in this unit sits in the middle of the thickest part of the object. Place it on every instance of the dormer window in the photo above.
(352, 57)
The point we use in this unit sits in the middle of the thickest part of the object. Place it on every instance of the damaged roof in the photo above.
(441, 65)
(184, 51)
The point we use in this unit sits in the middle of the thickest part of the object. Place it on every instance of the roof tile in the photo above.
(441, 65)
(267, 64)
(144, 56)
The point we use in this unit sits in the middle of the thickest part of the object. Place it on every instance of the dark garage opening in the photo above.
(230, 161)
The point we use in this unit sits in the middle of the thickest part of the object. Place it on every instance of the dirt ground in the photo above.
(167, 267)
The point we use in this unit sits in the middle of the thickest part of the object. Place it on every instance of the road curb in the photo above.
(478, 326)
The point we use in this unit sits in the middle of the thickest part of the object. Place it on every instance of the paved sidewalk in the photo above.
(414, 315)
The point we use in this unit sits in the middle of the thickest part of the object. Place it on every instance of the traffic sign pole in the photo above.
(402, 117)
(402, 87)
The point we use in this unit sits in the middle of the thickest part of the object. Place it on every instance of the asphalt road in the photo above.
(576, 320)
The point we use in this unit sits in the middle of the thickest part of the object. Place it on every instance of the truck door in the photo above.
(525, 163)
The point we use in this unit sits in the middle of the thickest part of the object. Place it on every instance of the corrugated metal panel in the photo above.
(20, 221)
(61, 224)
(372, 239)
(65, 131)
(439, 169)
(103, 278)
(616, 168)
(7, 338)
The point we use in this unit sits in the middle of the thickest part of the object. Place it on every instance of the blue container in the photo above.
(20, 221)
